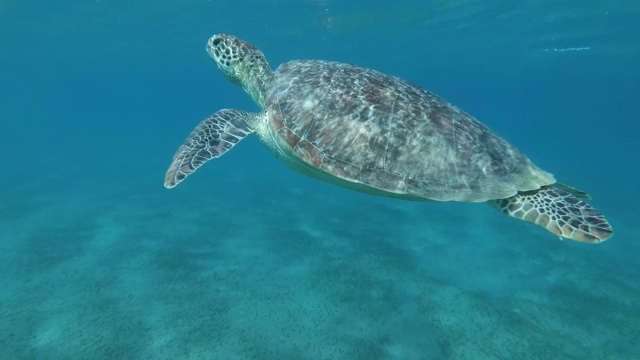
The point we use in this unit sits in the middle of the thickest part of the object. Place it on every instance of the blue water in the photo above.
(249, 260)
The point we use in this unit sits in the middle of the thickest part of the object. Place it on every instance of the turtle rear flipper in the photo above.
(573, 191)
(212, 138)
(558, 211)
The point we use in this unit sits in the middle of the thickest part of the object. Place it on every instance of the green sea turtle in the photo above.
(368, 131)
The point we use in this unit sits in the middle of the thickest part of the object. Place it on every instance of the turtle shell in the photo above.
(384, 134)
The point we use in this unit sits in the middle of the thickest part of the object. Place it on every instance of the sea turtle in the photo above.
(376, 133)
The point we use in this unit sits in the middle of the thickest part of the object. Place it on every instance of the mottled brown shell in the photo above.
(377, 130)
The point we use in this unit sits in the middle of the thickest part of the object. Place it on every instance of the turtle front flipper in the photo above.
(209, 140)
(559, 212)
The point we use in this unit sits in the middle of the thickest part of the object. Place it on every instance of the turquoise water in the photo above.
(248, 259)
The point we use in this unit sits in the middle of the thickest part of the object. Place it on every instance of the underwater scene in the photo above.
(259, 254)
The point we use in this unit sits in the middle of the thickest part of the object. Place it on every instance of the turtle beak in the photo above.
(214, 51)
(218, 50)
(213, 42)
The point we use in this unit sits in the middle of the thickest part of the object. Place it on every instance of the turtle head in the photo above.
(242, 63)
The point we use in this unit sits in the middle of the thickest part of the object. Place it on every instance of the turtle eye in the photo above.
(216, 41)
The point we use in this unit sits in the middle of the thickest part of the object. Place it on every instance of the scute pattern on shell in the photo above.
(375, 129)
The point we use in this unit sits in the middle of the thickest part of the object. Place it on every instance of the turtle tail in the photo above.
(559, 211)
